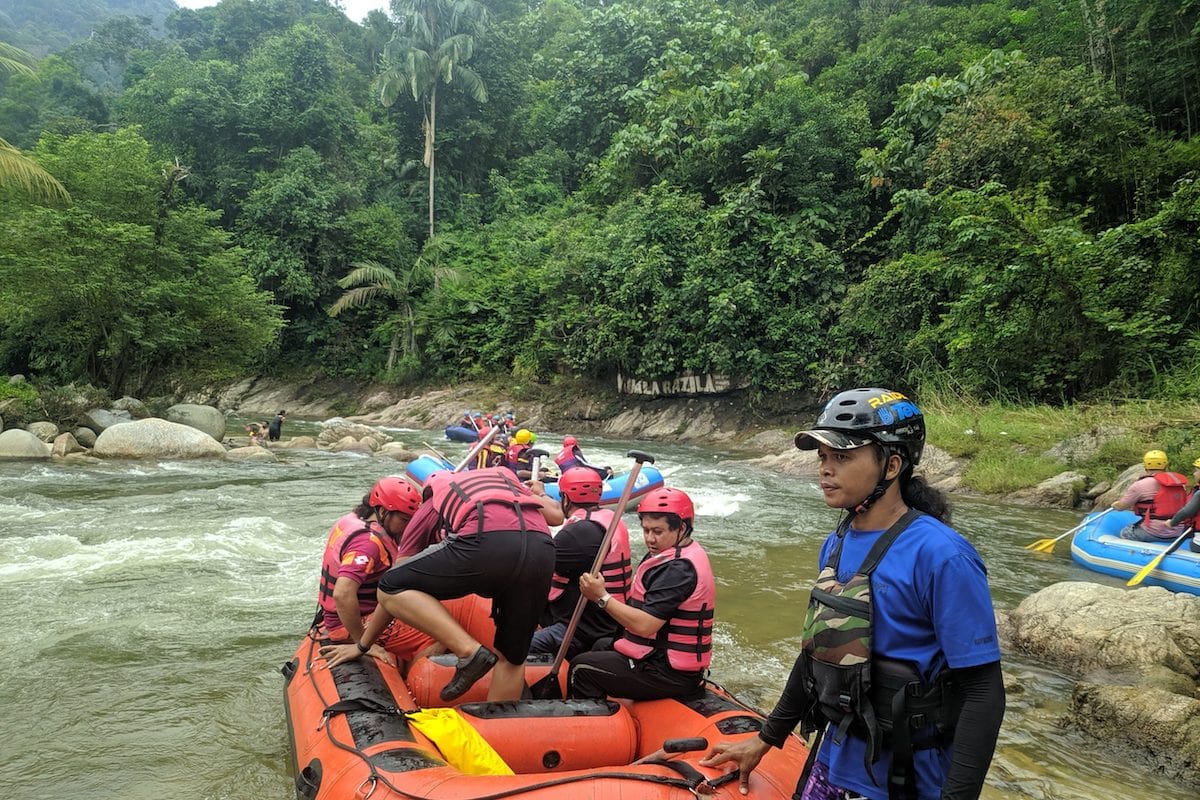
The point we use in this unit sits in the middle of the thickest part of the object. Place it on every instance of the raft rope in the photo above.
(378, 778)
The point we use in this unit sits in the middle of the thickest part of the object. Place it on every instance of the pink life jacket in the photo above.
(687, 635)
(344, 531)
(616, 568)
(567, 457)
(457, 495)
(1171, 496)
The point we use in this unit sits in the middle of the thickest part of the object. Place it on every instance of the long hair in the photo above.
(916, 493)
(363, 510)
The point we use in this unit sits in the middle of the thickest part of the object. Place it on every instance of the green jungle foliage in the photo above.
(995, 198)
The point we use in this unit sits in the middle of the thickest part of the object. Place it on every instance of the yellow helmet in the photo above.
(523, 436)
(1155, 459)
(1196, 463)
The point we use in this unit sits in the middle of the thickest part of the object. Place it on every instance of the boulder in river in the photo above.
(22, 444)
(46, 431)
(156, 438)
(202, 418)
(100, 419)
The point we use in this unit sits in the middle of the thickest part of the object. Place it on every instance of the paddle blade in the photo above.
(1042, 546)
(547, 688)
(1158, 559)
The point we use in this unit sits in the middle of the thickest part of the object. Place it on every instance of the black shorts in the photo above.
(511, 567)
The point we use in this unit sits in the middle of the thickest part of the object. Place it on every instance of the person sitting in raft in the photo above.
(478, 532)
(665, 644)
(575, 549)
(1155, 496)
(1188, 514)
(516, 457)
(361, 547)
(899, 666)
(571, 456)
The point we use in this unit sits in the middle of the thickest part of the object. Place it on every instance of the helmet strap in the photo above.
(884, 482)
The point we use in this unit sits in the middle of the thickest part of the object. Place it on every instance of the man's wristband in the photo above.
(362, 649)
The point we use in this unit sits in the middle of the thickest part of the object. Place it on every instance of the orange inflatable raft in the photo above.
(351, 739)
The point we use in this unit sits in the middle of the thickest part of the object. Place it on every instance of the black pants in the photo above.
(607, 673)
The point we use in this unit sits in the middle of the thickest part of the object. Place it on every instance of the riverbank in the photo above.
(1075, 454)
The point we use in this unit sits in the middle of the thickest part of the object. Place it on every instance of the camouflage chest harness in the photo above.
(882, 700)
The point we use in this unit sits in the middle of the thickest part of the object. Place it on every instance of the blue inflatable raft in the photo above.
(461, 433)
(648, 479)
(1098, 547)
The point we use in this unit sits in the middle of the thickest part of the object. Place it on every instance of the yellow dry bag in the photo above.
(460, 744)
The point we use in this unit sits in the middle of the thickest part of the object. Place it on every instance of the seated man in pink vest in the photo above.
(665, 644)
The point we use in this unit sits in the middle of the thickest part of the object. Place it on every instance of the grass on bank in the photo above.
(1009, 446)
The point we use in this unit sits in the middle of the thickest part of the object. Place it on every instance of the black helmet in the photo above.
(857, 417)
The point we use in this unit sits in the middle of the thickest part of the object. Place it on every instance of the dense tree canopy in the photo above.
(998, 197)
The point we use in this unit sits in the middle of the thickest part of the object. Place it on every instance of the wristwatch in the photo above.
(603, 601)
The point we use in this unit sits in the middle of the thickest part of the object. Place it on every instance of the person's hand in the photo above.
(377, 651)
(745, 754)
(591, 585)
(537, 487)
(335, 654)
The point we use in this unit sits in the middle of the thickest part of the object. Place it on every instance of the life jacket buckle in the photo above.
(845, 702)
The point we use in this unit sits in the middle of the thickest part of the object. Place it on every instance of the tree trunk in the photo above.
(430, 137)
(392, 351)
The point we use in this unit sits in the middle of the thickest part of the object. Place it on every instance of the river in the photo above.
(151, 605)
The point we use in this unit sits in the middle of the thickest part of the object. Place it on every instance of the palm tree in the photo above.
(16, 168)
(369, 282)
(432, 44)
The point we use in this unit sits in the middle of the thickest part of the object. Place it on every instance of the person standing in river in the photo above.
(275, 429)
(899, 668)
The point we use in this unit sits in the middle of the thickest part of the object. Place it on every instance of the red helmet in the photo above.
(581, 485)
(668, 500)
(395, 494)
(569, 441)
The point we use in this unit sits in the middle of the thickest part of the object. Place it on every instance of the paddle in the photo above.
(476, 448)
(1047, 545)
(436, 452)
(1146, 570)
(547, 688)
(535, 462)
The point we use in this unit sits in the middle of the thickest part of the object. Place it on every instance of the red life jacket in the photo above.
(687, 635)
(567, 457)
(616, 568)
(516, 457)
(460, 494)
(1171, 496)
(345, 530)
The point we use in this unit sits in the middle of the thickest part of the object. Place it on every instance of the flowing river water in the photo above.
(150, 605)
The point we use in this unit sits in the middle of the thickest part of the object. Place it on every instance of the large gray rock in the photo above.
(136, 408)
(46, 431)
(156, 438)
(1120, 485)
(252, 453)
(1063, 490)
(64, 445)
(1086, 626)
(101, 419)
(336, 429)
(85, 436)
(295, 443)
(1164, 725)
(202, 418)
(22, 444)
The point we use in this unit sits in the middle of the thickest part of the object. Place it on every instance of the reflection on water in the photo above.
(151, 605)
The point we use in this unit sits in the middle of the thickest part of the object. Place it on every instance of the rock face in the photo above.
(1064, 490)
(156, 438)
(136, 408)
(65, 444)
(1139, 653)
(335, 432)
(202, 418)
(22, 444)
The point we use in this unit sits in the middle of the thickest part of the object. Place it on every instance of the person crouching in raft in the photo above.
(899, 668)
